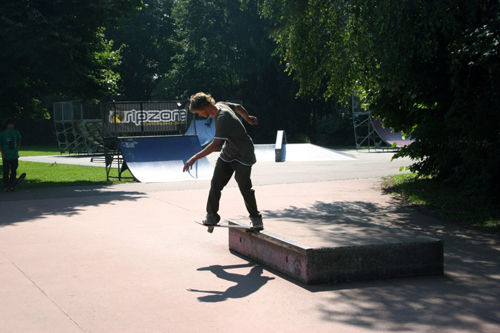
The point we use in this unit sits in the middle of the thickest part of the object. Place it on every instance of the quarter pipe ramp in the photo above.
(205, 129)
(161, 158)
(387, 135)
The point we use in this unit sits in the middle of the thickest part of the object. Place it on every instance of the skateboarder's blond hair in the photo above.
(199, 100)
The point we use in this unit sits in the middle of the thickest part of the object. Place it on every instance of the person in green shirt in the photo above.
(10, 142)
(237, 155)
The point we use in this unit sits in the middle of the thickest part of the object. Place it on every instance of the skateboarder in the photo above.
(237, 155)
(10, 142)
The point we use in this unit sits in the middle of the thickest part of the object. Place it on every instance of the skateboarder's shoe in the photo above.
(208, 223)
(211, 220)
(256, 223)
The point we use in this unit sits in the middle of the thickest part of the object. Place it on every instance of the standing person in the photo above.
(10, 142)
(237, 155)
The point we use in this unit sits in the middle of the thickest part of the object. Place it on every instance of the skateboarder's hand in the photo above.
(252, 120)
(189, 164)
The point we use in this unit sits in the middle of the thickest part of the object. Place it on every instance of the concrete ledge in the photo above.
(413, 255)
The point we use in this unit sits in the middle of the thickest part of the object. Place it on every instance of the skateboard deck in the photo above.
(227, 225)
(16, 182)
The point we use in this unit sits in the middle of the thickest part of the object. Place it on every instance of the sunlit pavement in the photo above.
(128, 258)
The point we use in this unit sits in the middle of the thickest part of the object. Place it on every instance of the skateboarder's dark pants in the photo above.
(222, 174)
(9, 165)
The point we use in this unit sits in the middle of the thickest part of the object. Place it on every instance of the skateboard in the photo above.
(16, 182)
(210, 228)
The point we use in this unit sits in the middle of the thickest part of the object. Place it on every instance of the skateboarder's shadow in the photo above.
(245, 284)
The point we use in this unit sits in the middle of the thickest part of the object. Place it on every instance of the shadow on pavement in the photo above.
(245, 284)
(470, 284)
(28, 206)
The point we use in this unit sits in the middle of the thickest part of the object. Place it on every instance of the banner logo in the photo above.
(148, 116)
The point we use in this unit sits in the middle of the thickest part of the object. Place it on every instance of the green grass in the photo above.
(444, 200)
(38, 150)
(45, 175)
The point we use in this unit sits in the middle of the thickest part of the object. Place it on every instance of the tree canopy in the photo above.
(165, 50)
(146, 45)
(222, 47)
(427, 68)
(56, 47)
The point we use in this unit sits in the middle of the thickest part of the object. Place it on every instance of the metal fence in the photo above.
(78, 127)
(83, 128)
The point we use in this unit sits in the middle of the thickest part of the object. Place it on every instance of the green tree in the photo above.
(208, 48)
(223, 48)
(428, 68)
(56, 47)
(146, 44)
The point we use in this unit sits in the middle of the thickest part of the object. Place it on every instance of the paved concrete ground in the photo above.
(127, 258)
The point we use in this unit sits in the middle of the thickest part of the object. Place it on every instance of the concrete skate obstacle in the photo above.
(391, 253)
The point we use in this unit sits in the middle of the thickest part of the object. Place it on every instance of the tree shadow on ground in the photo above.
(20, 206)
(245, 284)
(467, 296)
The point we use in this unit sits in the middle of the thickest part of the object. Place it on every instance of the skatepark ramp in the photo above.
(388, 135)
(161, 158)
(297, 152)
(370, 131)
(204, 128)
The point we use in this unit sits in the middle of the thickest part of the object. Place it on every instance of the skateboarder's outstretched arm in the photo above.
(210, 148)
(252, 120)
